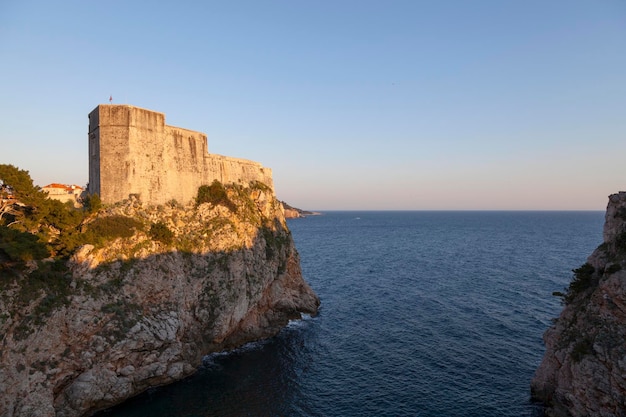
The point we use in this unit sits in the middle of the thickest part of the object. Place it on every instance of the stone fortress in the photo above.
(133, 152)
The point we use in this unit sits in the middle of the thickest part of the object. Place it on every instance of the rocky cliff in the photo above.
(142, 310)
(294, 213)
(583, 372)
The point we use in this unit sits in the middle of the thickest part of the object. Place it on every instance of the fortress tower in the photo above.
(133, 151)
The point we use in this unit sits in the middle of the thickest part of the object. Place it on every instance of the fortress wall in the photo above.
(133, 151)
(109, 151)
(185, 151)
(146, 169)
(129, 151)
(94, 154)
(230, 170)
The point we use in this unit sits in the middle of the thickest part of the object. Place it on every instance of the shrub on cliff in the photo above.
(160, 232)
(583, 279)
(214, 194)
(108, 228)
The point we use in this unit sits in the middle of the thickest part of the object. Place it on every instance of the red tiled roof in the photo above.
(63, 186)
(55, 185)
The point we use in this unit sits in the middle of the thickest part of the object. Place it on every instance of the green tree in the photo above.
(32, 205)
(24, 189)
(61, 216)
(36, 219)
(21, 246)
(66, 220)
(92, 203)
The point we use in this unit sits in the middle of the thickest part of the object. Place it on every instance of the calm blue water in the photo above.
(423, 314)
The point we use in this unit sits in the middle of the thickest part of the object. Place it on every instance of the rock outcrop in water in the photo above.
(583, 372)
(139, 312)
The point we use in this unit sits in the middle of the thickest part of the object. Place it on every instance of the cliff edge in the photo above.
(295, 213)
(583, 372)
(142, 310)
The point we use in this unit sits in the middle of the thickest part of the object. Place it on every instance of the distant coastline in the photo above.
(294, 213)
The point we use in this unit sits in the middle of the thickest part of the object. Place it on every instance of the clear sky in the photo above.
(354, 104)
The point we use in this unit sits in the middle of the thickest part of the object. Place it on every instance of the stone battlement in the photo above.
(133, 151)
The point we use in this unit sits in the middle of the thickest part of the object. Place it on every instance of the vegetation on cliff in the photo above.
(100, 303)
(34, 227)
(582, 371)
(38, 236)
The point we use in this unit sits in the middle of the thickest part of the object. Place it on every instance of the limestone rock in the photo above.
(137, 313)
(294, 213)
(583, 372)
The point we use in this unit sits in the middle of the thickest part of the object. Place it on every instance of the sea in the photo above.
(423, 314)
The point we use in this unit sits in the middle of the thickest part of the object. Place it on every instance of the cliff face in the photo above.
(295, 213)
(583, 372)
(136, 313)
